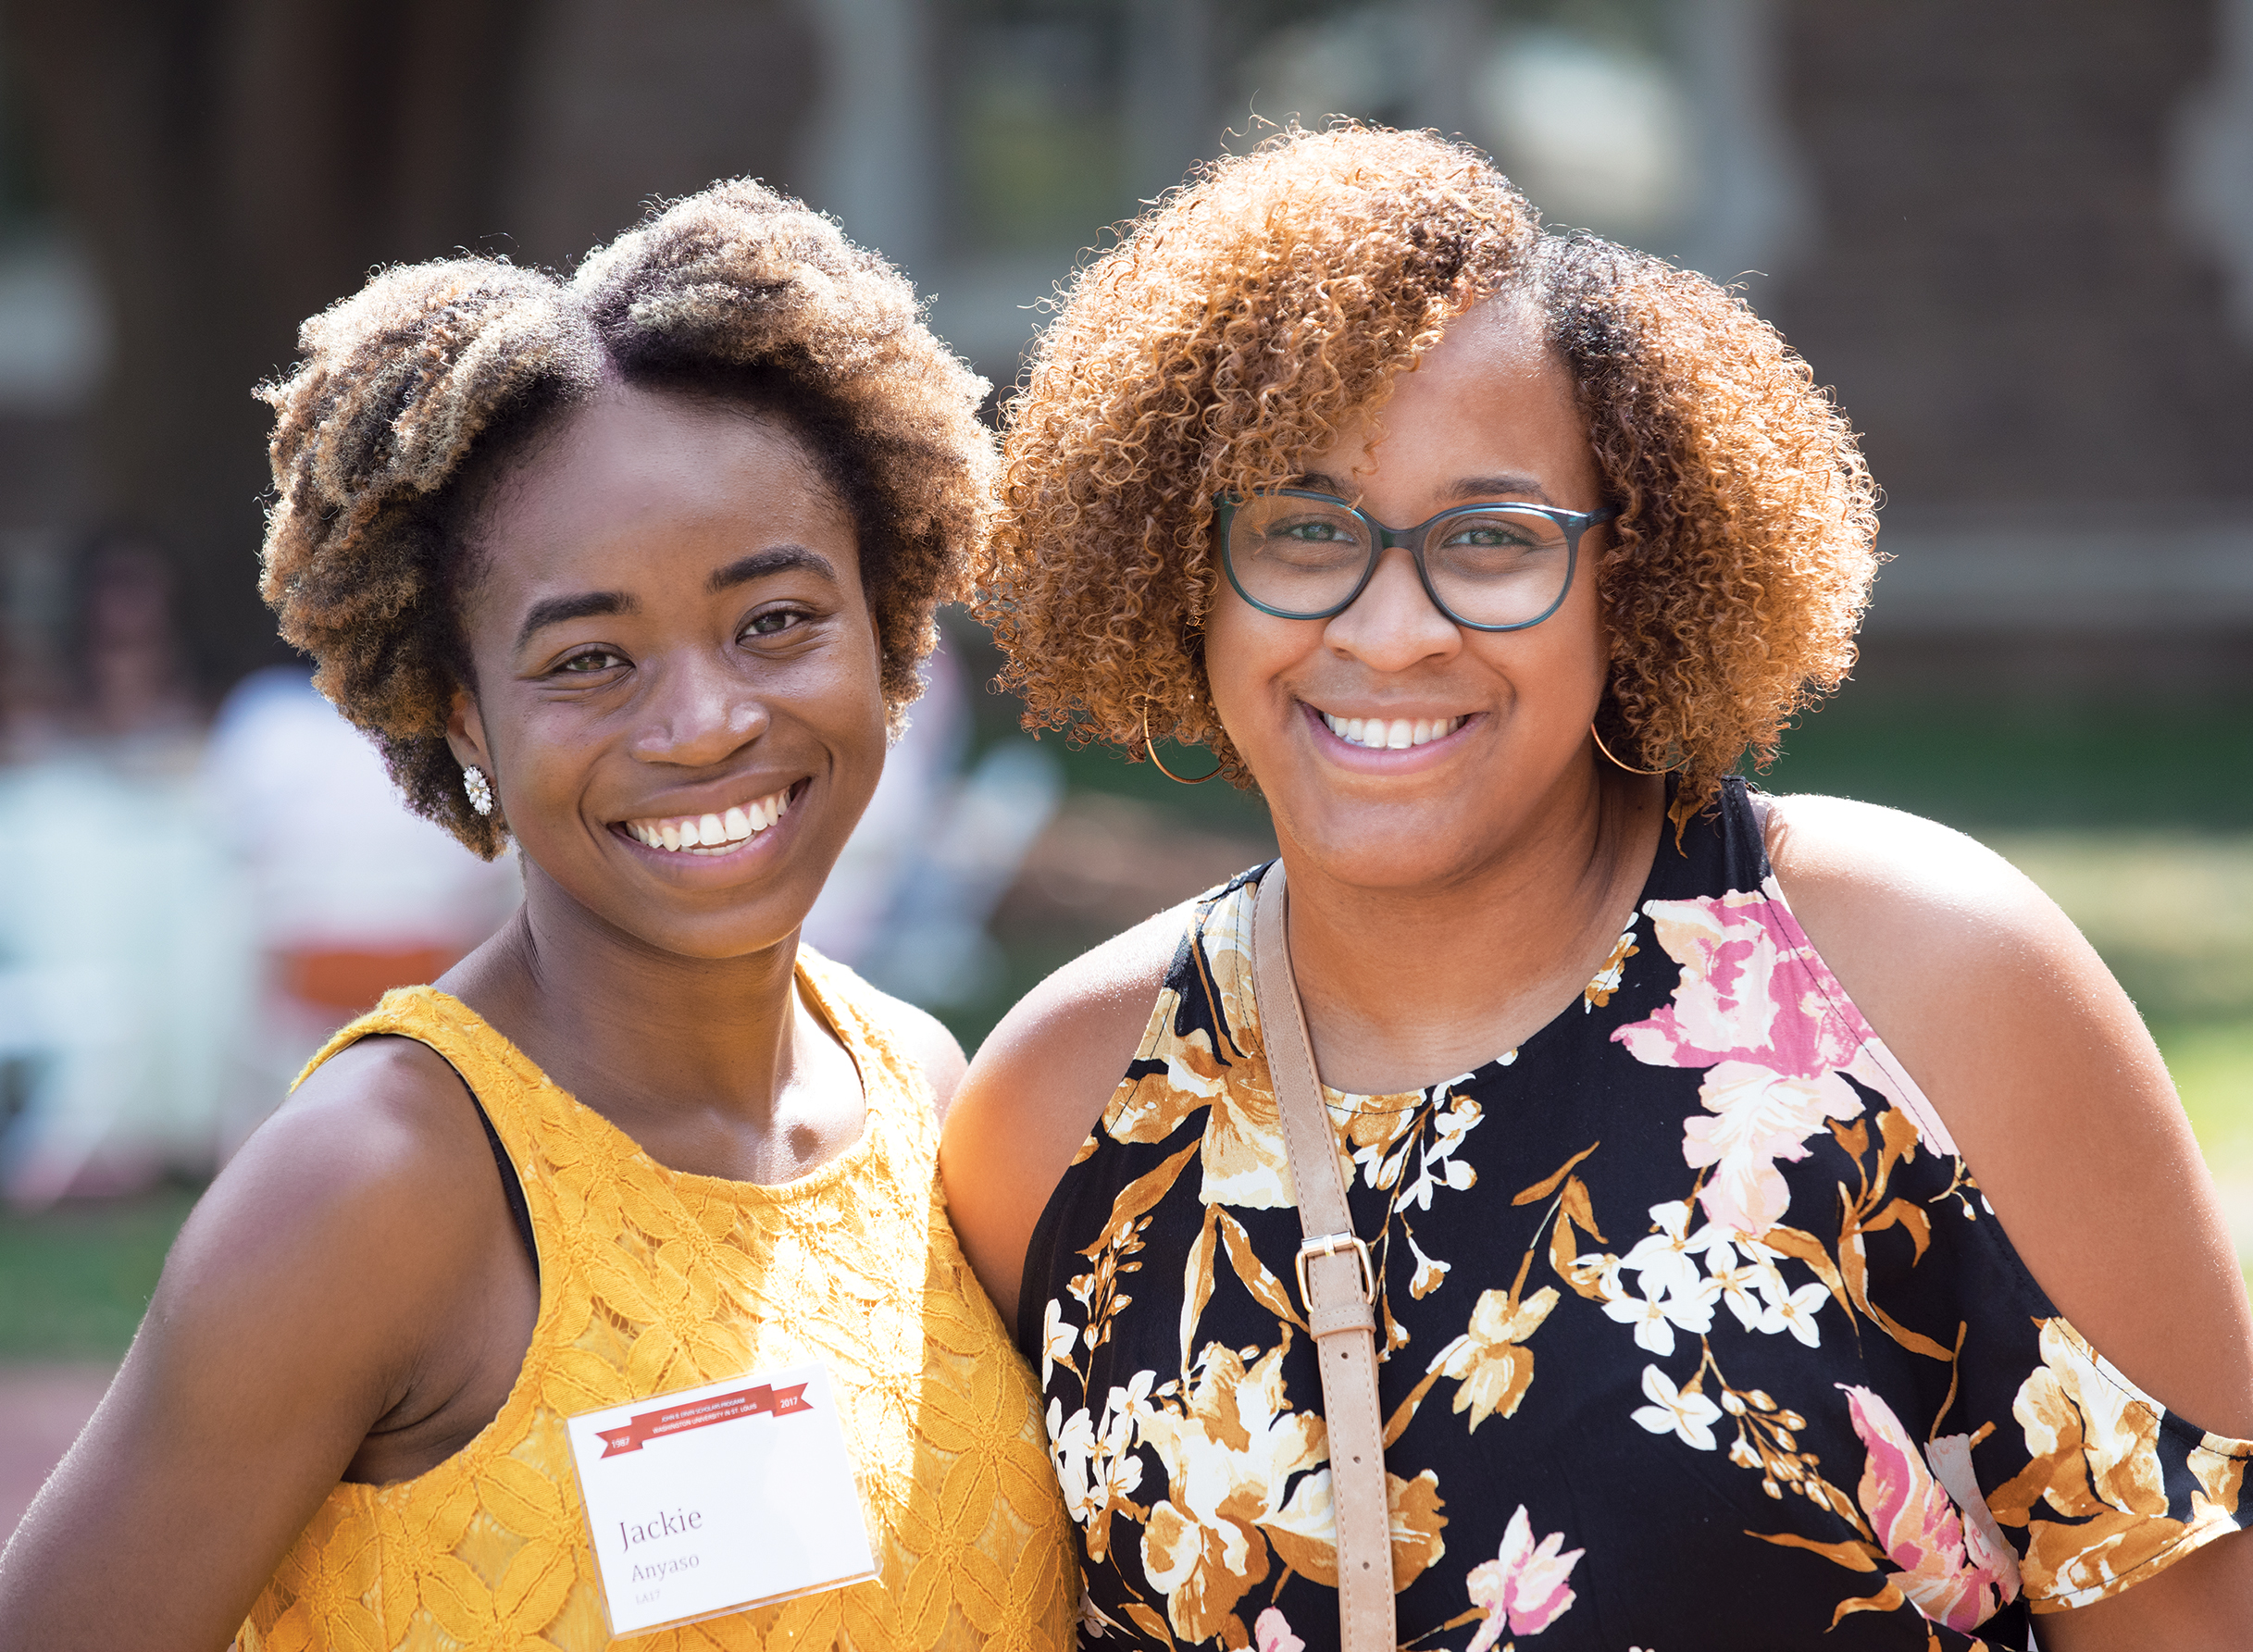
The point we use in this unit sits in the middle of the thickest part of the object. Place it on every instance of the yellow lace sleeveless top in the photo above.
(652, 1281)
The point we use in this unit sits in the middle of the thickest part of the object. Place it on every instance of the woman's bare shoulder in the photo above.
(2040, 1067)
(375, 1165)
(1035, 1087)
(1094, 1008)
(300, 1307)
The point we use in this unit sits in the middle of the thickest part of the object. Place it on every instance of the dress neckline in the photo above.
(842, 1023)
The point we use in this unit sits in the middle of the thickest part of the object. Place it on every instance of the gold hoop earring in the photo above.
(1616, 764)
(1151, 752)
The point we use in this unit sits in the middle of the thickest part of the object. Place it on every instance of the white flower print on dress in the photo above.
(1795, 1313)
(1670, 1252)
(1687, 1414)
(1057, 1341)
(1744, 1282)
(1656, 1318)
(1453, 1118)
(1096, 1465)
(1430, 1274)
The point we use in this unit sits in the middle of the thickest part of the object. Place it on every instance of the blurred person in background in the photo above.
(129, 683)
(1778, 1228)
(636, 570)
(348, 893)
(122, 969)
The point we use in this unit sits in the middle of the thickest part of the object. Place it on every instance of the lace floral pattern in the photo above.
(651, 1281)
(1726, 1334)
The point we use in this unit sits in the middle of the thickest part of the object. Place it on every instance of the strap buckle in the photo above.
(1331, 1245)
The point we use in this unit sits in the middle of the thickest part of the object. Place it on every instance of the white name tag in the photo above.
(715, 1499)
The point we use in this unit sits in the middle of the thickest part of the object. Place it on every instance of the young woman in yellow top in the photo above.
(636, 569)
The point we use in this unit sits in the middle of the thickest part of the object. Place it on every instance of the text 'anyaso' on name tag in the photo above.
(715, 1499)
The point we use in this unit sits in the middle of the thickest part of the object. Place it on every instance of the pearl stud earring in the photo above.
(479, 789)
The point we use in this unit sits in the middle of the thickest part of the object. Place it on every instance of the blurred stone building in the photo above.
(2018, 238)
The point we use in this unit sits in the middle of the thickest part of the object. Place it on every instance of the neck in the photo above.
(703, 1061)
(1406, 987)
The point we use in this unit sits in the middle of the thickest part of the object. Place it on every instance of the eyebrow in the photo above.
(554, 611)
(760, 564)
(1468, 488)
(587, 604)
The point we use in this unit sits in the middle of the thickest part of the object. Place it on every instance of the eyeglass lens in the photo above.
(1489, 566)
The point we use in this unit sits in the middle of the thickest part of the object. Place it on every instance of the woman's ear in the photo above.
(466, 732)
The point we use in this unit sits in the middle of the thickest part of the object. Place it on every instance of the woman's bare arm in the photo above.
(351, 1273)
(1035, 1087)
(2045, 1076)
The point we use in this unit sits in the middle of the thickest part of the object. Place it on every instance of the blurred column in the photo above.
(2001, 285)
(872, 148)
(1750, 214)
(2214, 193)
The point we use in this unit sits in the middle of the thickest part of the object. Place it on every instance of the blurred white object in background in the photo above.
(347, 893)
(908, 902)
(935, 950)
(124, 964)
(1598, 136)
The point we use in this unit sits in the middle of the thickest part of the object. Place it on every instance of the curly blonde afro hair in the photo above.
(414, 393)
(1250, 316)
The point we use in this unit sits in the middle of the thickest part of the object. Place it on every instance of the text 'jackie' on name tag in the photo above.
(718, 1498)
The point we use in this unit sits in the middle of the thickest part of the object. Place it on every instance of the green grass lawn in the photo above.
(75, 1280)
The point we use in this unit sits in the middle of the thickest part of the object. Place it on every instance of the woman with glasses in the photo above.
(1770, 1225)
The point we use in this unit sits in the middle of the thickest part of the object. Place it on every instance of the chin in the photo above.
(715, 941)
(754, 922)
(1403, 850)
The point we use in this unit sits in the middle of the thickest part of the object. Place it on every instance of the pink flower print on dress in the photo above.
(1759, 1117)
(1949, 1567)
(1271, 1632)
(1523, 1589)
(1758, 1010)
(1750, 991)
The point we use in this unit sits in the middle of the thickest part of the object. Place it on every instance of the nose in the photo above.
(1393, 623)
(695, 712)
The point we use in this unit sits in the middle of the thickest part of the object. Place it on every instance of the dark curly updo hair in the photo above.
(412, 391)
(1248, 318)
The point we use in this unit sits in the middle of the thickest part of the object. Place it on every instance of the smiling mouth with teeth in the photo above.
(1397, 735)
(710, 834)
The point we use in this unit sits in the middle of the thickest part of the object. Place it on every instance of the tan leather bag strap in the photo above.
(1338, 1286)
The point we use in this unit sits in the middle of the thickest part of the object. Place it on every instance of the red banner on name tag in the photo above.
(762, 1400)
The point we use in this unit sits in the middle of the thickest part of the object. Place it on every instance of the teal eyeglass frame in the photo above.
(1383, 539)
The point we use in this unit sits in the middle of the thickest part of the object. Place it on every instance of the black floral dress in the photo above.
(1694, 1331)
